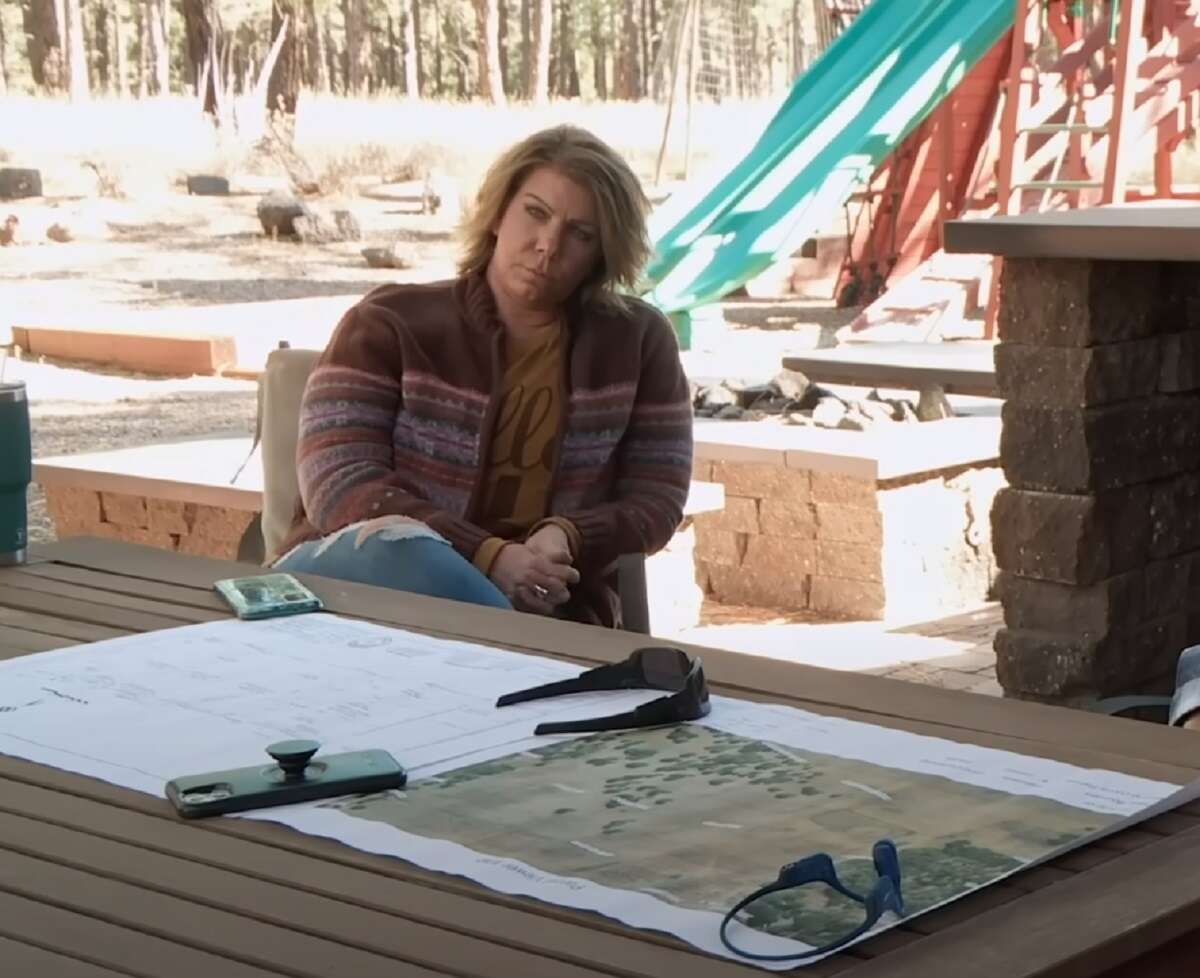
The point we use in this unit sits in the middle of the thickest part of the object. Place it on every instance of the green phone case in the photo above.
(293, 779)
(267, 596)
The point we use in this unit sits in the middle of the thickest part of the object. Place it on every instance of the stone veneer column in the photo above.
(1098, 535)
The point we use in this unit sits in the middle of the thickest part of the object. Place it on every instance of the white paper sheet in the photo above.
(141, 710)
(210, 697)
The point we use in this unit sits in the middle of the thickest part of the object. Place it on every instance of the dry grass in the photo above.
(145, 147)
(127, 147)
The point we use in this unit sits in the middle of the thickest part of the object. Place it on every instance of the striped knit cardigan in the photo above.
(398, 413)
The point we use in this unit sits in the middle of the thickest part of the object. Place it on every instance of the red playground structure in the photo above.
(1058, 115)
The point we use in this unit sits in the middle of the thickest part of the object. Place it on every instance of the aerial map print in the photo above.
(699, 817)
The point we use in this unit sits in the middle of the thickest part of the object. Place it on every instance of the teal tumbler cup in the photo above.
(16, 471)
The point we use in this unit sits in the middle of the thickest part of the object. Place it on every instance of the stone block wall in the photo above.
(846, 547)
(1098, 535)
(210, 531)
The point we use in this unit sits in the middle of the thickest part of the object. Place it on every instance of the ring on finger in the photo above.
(540, 591)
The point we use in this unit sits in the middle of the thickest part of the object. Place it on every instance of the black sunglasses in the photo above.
(885, 897)
(656, 667)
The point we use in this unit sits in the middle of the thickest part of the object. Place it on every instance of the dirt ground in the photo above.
(171, 252)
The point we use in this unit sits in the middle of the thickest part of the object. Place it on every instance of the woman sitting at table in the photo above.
(504, 437)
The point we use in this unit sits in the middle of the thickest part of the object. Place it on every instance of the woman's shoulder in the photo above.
(407, 302)
(634, 325)
(632, 315)
(389, 317)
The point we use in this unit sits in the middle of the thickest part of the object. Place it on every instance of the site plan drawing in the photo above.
(663, 829)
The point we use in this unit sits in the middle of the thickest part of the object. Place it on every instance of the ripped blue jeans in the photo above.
(393, 553)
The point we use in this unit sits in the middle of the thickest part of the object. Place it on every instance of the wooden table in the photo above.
(97, 880)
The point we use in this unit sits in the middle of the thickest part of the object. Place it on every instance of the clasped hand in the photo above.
(536, 575)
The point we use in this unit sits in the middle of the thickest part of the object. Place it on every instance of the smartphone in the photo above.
(267, 596)
(267, 785)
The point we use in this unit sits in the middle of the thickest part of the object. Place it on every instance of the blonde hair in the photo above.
(621, 206)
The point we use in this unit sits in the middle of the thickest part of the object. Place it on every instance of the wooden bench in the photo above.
(961, 367)
(204, 496)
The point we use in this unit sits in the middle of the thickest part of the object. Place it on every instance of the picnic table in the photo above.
(97, 880)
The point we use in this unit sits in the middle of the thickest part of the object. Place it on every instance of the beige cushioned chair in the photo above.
(280, 391)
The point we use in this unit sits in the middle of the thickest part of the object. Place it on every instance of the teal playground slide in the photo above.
(845, 115)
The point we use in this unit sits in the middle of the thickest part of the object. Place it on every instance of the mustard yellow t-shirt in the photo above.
(520, 463)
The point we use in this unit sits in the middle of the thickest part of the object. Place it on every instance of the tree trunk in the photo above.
(101, 60)
(143, 42)
(644, 51)
(754, 62)
(357, 46)
(599, 55)
(554, 75)
(417, 48)
(412, 54)
(162, 59)
(630, 80)
(202, 36)
(156, 54)
(3, 61)
(491, 79)
(614, 48)
(733, 73)
(655, 33)
(331, 52)
(543, 28)
(706, 73)
(76, 48)
(568, 79)
(164, 14)
(797, 65)
(43, 24)
(558, 65)
(283, 87)
(316, 68)
(450, 32)
(502, 45)
(772, 49)
(120, 52)
(526, 50)
(437, 49)
(162, 54)
(393, 58)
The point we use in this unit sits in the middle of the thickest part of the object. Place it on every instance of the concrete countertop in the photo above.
(1166, 231)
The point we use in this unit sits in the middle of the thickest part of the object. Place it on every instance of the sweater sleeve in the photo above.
(654, 463)
(344, 456)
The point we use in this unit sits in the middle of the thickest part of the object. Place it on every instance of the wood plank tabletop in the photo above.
(97, 880)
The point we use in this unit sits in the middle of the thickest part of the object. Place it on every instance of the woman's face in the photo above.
(547, 241)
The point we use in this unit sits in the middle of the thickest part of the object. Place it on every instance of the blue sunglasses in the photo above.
(884, 897)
